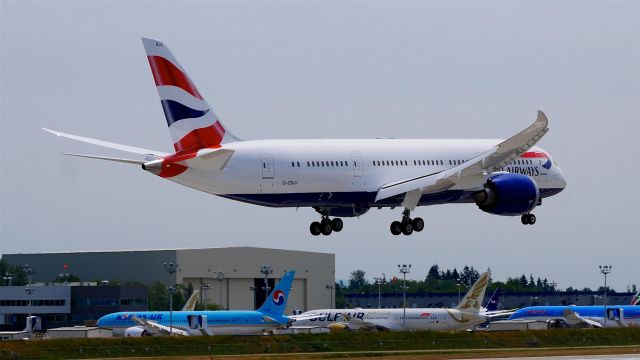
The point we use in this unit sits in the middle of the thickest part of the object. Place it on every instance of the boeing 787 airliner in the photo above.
(339, 178)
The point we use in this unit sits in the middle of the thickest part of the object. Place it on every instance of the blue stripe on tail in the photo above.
(175, 111)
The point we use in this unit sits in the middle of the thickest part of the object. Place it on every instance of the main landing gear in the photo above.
(326, 226)
(528, 219)
(407, 226)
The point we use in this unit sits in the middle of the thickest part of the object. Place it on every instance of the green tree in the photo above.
(357, 279)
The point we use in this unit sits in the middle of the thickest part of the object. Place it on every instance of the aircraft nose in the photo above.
(562, 182)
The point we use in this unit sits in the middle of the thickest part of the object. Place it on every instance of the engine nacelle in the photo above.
(136, 331)
(508, 194)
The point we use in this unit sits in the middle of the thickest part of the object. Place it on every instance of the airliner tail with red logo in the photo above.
(339, 177)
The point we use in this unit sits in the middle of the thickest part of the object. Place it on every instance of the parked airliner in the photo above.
(466, 315)
(232, 322)
(582, 316)
(339, 178)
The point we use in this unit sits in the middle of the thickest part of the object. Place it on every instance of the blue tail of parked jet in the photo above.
(276, 302)
(492, 304)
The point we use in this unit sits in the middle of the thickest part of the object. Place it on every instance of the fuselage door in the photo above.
(267, 166)
(356, 162)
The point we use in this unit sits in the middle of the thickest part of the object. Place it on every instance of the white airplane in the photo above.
(467, 314)
(339, 178)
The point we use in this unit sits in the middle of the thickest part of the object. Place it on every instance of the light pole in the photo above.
(266, 270)
(203, 289)
(458, 283)
(330, 288)
(605, 270)
(379, 281)
(404, 269)
(29, 270)
(220, 277)
(171, 269)
(8, 277)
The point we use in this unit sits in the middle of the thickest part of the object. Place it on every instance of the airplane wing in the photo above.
(154, 328)
(487, 162)
(110, 145)
(573, 318)
(358, 324)
(305, 317)
(498, 313)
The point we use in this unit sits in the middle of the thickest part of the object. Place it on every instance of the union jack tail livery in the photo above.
(192, 123)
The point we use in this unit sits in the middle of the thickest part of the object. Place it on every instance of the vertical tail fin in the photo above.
(192, 123)
(472, 300)
(492, 304)
(276, 302)
(191, 303)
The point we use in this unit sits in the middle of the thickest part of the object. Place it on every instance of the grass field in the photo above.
(357, 342)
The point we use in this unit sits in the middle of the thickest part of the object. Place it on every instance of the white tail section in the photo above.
(472, 300)
(192, 123)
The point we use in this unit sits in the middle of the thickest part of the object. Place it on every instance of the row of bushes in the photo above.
(342, 341)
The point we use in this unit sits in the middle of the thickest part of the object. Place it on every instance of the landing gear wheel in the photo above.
(418, 224)
(407, 227)
(314, 228)
(325, 227)
(532, 219)
(528, 219)
(337, 224)
(396, 228)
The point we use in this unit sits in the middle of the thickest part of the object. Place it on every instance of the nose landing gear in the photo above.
(326, 226)
(407, 226)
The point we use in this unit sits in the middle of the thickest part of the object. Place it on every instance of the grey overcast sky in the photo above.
(326, 70)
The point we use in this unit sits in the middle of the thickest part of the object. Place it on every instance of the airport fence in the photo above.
(344, 342)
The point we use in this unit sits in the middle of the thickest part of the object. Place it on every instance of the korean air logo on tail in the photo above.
(278, 297)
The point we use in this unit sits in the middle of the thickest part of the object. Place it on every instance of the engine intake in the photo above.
(508, 194)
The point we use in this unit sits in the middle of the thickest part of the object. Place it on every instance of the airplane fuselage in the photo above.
(215, 322)
(345, 175)
(615, 315)
(394, 319)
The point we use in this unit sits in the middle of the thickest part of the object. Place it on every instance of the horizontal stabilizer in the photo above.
(128, 161)
(110, 145)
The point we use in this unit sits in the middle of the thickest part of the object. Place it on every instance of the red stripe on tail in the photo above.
(210, 136)
(165, 73)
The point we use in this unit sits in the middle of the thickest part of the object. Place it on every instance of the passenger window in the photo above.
(406, 163)
(292, 165)
(298, 162)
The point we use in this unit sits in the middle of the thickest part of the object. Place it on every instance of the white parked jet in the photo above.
(339, 178)
(467, 314)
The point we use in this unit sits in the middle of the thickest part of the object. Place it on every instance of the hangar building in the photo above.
(229, 277)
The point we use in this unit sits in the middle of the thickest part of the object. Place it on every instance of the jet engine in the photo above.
(136, 331)
(508, 194)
